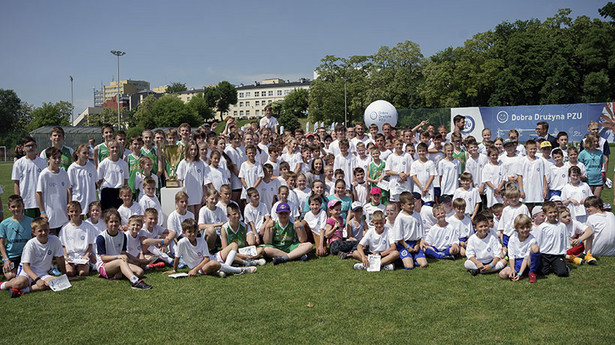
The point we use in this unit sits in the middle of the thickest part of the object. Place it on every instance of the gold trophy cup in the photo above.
(172, 155)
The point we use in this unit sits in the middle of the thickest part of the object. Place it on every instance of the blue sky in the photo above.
(203, 42)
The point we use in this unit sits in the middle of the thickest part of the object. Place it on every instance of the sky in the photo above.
(201, 43)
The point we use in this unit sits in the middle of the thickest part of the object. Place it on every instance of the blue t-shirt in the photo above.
(16, 235)
(593, 161)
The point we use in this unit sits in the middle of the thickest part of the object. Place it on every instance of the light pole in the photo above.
(118, 53)
(72, 111)
(345, 104)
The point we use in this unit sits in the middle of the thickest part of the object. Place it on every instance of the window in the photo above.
(247, 94)
(188, 99)
(241, 113)
(247, 103)
(257, 112)
(286, 92)
(247, 113)
(279, 93)
(270, 93)
(270, 101)
(241, 95)
(241, 104)
(235, 113)
(257, 103)
(256, 93)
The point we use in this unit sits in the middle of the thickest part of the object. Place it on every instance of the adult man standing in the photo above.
(269, 121)
(542, 134)
(459, 123)
(360, 136)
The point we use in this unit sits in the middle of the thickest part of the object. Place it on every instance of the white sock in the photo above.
(3, 286)
(230, 258)
(134, 279)
(230, 269)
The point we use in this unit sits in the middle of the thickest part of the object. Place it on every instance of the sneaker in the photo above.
(54, 271)
(577, 260)
(590, 259)
(358, 266)
(278, 260)
(14, 293)
(449, 257)
(388, 267)
(608, 183)
(221, 274)
(342, 255)
(156, 265)
(304, 257)
(474, 272)
(141, 285)
(249, 269)
(531, 277)
(607, 207)
(259, 262)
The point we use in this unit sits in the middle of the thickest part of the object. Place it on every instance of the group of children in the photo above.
(396, 198)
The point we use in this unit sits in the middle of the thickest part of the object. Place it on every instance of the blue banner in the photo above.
(570, 118)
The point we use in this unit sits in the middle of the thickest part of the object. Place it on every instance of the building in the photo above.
(126, 87)
(252, 99)
(99, 98)
(82, 119)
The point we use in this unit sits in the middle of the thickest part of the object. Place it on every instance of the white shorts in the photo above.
(22, 273)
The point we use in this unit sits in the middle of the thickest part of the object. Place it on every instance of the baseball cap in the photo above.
(508, 141)
(309, 135)
(333, 202)
(375, 191)
(282, 207)
(445, 198)
(556, 198)
(356, 206)
(545, 143)
(536, 210)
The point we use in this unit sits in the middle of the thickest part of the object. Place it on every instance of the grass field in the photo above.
(436, 305)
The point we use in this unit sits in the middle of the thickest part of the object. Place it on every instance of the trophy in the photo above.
(172, 155)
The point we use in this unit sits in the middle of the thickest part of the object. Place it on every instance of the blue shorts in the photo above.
(436, 191)
(553, 192)
(463, 239)
(505, 239)
(518, 263)
(403, 253)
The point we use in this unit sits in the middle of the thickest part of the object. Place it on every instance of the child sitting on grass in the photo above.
(581, 237)
(15, 232)
(129, 207)
(36, 260)
(407, 233)
(281, 241)
(463, 223)
(376, 241)
(442, 240)
(112, 261)
(77, 239)
(235, 231)
(194, 252)
(334, 230)
(552, 238)
(523, 252)
(484, 249)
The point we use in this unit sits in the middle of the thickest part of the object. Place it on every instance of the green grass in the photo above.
(436, 305)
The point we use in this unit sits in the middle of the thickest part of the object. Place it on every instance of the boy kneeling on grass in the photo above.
(376, 241)
(36, 260)
(523, 251)
(484, 249)
(281, 240)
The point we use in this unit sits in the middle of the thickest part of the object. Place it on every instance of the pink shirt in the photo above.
(338, 234)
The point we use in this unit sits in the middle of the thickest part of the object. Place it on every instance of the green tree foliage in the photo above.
(169, 111)
(225, 95)
(49, 114)
(107, 115)
(200, 105)
(293, 106)
(10, 108)
(176, 87)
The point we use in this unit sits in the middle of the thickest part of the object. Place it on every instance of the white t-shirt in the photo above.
(427, 217)
(376, 243)
(442, 238)
(256, 215)
(346, 164)
(217, 177)
(368, 211)
(40, 255)
(100, 226)
(127, 212)
(423, 171)
(192, 254)
(292, 159)
(509, 213)
(603, 225)
(475, 167)
(518, 249)
(27, 171)
(557, 177)
(295, 213)
(511, 166)
(449, 172)
(483, 249)
(575, 229)
(493, 174)
(133, 244)
(207, 216)
(268, 190)
(406, 228)
(464, 226)
(580, 165)
(152, 202)
(578, 193)
(193, 176)
(552, 238)
(237, 156)
(83, 181)
(174, 221)
(54, 187)
(534, 173)
(471, 197)
(269, 122)
(250, 173)
(113, 174)
(401, 164)
(316, 222)
(76, 239)
(359, 162)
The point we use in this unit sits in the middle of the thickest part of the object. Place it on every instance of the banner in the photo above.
(570, 118)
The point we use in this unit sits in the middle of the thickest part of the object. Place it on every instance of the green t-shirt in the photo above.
(283, 237)
(238, 237)
(133, 168)
(153, 154)
(103, 152)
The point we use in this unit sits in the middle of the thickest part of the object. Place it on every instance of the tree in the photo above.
(226, 94)
(296, 102)
(176, 87)
(14, 116)
(169, 111)
(51, 115)
(144, 110)
(289, 121)
(106, 116)
(200, 106)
